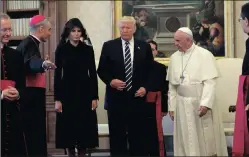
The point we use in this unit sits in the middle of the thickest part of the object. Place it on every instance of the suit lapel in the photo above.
(120, 53)
(136, 54)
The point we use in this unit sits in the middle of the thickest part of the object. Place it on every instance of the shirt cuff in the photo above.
(43, 66)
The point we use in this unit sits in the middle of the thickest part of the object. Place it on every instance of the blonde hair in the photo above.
(127, 19)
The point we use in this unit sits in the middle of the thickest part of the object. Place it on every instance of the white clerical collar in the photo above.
(130, 41)
(35, 37)
(190, 49)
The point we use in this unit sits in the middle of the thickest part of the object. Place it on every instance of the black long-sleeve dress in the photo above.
(76, 85)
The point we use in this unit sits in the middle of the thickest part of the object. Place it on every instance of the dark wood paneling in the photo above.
(56, 11)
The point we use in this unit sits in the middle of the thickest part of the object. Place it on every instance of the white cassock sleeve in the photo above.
(208, 93)
(172, 97)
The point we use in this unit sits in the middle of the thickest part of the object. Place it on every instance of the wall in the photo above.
(97, 18)
(239, 35)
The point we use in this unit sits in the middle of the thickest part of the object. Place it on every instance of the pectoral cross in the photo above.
(182, 77)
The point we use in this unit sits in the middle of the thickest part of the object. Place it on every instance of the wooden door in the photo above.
(56, 12)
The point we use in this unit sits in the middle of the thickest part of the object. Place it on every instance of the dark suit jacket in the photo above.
(111, 66)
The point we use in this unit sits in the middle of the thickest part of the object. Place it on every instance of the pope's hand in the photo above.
(203, 110)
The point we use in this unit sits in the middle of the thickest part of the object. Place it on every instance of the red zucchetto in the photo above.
(36, 19)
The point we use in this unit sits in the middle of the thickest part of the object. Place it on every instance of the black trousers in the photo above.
(128, 121)
(33, 111)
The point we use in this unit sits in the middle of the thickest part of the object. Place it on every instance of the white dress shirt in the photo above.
(131, 46)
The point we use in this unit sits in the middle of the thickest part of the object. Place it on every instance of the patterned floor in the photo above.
(169, 154)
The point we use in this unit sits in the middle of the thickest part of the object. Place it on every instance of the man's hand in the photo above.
(171, 114)
(247, 107)
(58, 106)
(140, 92)
(118, 84)
(10, 94)
(203, 110)
(94, 104)
(47, 64)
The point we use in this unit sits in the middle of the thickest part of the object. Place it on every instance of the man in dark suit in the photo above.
(124, 67)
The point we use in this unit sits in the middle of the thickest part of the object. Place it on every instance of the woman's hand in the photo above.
(58, 106)
(94, 104)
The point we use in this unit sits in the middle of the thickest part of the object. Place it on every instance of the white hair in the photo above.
(4, 16)
(190, 37)
(127, 19)
(33, 28)
(187, 31)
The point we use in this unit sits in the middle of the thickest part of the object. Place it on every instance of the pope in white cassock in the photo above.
(192, 74)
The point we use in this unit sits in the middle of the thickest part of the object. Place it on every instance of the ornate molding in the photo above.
(228, 29)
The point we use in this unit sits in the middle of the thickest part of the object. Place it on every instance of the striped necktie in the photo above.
(128, 67)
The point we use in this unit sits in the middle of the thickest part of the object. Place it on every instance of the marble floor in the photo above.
(168, 147)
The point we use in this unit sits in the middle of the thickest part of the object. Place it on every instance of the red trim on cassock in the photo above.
(37, 80)
(6, 83)
(241, 135)
(155, 97)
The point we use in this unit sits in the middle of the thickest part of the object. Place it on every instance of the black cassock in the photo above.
(76, 85)
(158, 83)
(12, 73)
(33, 109)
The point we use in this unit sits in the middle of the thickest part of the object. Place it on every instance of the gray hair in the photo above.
(4, 16)
(190, 37)
(33, 28)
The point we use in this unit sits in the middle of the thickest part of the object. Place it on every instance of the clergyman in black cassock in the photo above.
(126, 89)
(241, 127)
(157, 98)
(13, 137)
(34, 110)
(12, 74)
(155, 115)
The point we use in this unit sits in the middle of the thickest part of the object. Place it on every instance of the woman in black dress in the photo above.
(76, 91)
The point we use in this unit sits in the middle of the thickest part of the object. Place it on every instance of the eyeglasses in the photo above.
(240, 19)
(5, 30)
